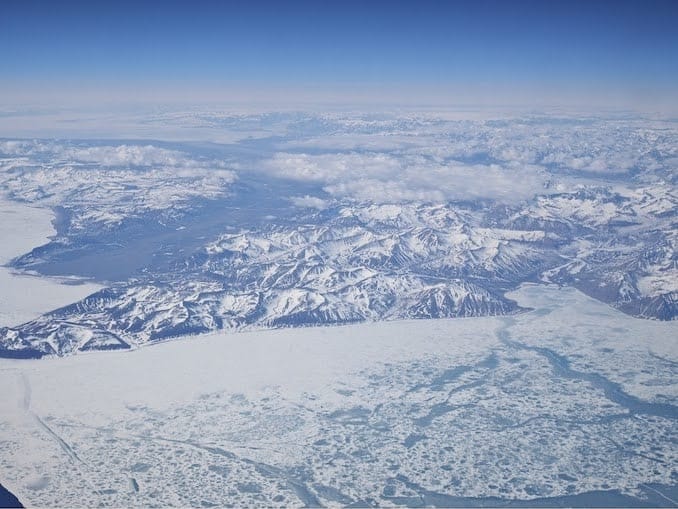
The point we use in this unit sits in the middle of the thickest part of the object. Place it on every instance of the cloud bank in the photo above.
(122, 180)
(384, 178)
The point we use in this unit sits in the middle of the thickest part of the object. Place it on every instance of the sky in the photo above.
(622, 52)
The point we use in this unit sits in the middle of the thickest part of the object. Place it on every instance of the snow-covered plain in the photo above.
(24, 297)
(523, 407)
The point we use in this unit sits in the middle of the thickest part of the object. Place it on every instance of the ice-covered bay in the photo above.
(572, 404)
(24, 297)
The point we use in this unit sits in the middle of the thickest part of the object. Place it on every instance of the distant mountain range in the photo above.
(379, 262)
(187, 245)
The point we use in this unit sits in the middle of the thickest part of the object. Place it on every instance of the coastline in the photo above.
(25, 296)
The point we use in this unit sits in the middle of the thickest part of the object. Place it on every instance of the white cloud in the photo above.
(123, 180)
(307, 201)
(384, 178)
(422, 158)
(127, 155)
(15, 147)
(109, 156)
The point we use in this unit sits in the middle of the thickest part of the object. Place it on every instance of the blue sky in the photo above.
(468, 48)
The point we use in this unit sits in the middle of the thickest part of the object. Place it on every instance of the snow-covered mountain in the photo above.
(191, 240)
(359, 265)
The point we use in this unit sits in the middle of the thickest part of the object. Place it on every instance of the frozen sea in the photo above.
(572, 403)
(23, 296)
(569, 404)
